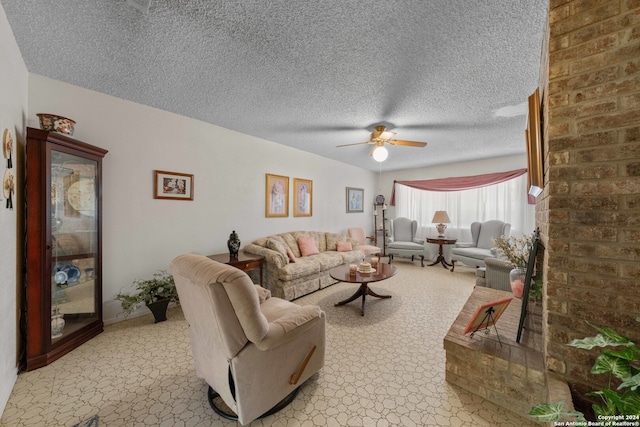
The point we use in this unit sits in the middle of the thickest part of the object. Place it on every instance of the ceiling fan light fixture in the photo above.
(386, 135)
(380, 154)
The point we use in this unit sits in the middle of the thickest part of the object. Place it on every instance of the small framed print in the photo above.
(486, 315)
(355, 200)
(302, 197)
(277, 196)
(172, 185)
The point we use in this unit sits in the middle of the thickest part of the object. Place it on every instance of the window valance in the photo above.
(458, 183)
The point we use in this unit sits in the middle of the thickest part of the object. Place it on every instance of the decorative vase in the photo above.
(441, 228)
(57, 324)
(516, 279)
(159, 309)
(233, 244)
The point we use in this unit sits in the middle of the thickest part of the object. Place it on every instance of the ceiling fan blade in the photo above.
(357, 143)
(407, 143)
(377, 131)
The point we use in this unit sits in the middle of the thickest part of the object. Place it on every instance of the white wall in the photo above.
(142, 234)
(13, 112)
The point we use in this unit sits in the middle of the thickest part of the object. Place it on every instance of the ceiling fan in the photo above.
(379, 137)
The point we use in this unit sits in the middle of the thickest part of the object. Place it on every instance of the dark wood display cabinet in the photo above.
(63, 299)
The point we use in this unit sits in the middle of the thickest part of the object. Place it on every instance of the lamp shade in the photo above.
(440, 217)
(380, 154)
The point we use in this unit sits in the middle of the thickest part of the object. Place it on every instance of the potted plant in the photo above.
(155, 293)
(620, 360)
(516, 251)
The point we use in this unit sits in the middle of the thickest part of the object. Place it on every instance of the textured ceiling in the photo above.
(308, 74)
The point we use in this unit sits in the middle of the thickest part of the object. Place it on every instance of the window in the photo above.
(506, 201)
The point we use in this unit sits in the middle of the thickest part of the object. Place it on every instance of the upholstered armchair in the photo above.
(358, 235)
(481, 246)
(403, 241)
(251, 349)
(495, 274)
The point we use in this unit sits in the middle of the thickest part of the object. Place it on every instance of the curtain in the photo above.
(458, 183)
(506, 200)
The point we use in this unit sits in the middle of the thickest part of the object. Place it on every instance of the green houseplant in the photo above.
(623, 367)
(155, 293)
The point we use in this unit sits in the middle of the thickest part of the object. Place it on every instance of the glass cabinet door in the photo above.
(74, 243)
(62, 300)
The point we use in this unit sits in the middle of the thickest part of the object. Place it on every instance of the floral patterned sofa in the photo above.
(293, 269)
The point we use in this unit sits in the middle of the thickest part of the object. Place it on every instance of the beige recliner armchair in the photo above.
(254, 351)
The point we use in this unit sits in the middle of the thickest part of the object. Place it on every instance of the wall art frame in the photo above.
(302, 197)
(7, 147)
(172, 185)
(355, 200)
(486, 315)
(276, 196)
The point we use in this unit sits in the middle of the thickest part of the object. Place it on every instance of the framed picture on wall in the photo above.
(302, 197)
(277, 196)
(355, 200)
(172, 185)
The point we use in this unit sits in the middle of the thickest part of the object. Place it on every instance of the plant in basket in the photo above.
(155, 293)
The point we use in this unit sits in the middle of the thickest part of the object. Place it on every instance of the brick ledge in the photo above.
(511, 375)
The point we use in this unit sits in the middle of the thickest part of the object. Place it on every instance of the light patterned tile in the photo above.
(383, 369)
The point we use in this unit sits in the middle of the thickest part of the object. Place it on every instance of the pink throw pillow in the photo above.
(292, 257)
(344, 246)
(307, 246)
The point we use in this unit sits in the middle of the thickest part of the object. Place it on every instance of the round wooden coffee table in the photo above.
(383, 271)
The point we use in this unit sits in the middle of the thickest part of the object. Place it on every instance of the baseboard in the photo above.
(112, 312)
(6, 388)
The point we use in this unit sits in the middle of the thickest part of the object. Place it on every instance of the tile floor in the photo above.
(383, 369)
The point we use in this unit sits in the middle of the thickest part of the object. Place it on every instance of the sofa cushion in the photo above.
(488, 232)
(278, 247)
(333, 239)
(290, 240)
(321, 240)
(405, 245)
(308, 246)
(290, 255)
(475, 253)
(304, 266)
(327, 259)
(344, 246)
(351, 256)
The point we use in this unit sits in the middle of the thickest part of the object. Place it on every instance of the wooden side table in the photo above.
(244, 261)
(383, 271)
(441, 241)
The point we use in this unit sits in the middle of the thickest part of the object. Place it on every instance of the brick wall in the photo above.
(589, 212)
(500, 370)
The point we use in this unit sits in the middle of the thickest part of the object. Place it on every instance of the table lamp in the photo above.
(441, 217)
